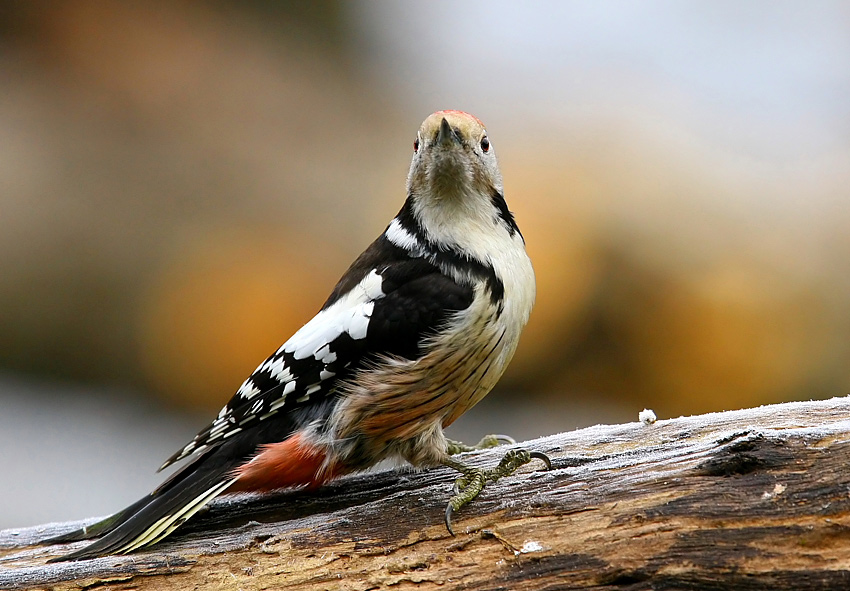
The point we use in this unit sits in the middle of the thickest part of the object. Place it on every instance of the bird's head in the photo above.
(453, 159)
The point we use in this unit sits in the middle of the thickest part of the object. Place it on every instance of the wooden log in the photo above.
(751, 499)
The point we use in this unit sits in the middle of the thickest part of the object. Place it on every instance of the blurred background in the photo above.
(182, 183)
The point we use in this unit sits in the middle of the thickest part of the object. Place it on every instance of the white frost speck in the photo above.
(647, 416)
(529, 546)
(778, 489)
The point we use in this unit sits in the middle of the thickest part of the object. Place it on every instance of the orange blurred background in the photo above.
(181, 184)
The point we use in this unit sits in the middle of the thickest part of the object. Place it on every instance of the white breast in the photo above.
(401, 406)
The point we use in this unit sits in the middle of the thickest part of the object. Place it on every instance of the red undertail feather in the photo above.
(292, 462)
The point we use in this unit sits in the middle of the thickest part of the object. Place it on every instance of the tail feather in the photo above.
(183, 494)
(155, 516)
(167, 524)
(100, 528)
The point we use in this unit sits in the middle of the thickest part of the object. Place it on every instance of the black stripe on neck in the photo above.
(505, 214)
(447, 257)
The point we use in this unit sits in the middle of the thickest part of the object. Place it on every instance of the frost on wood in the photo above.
(755, 499)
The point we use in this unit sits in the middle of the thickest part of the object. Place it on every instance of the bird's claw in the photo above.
(539, 455)
(471, 483)
(488, 441)
(495, 440)
(449, 510)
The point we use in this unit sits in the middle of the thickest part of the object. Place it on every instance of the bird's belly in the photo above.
(401, 407)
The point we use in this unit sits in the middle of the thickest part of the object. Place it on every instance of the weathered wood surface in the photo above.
(752, 499)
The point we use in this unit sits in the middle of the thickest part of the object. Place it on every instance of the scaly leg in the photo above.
(472, 481)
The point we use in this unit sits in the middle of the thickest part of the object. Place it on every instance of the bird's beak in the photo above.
(446, 135)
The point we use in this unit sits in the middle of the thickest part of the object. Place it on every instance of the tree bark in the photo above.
(750, 499)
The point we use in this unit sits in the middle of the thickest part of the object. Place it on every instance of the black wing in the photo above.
(383, 305)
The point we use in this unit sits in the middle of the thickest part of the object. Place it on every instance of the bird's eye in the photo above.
(485, 144)
(416, 145)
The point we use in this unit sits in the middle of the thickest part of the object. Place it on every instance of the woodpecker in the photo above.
(416, 332)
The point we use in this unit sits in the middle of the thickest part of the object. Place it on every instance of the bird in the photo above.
(417, 331)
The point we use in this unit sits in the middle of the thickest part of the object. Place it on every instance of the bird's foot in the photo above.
(473, 480)
(488, 441)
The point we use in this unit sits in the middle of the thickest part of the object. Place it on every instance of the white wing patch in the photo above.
(247, 391)
(349, 314)
(277, 369)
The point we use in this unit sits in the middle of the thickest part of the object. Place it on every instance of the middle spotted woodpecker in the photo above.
(417, 331)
